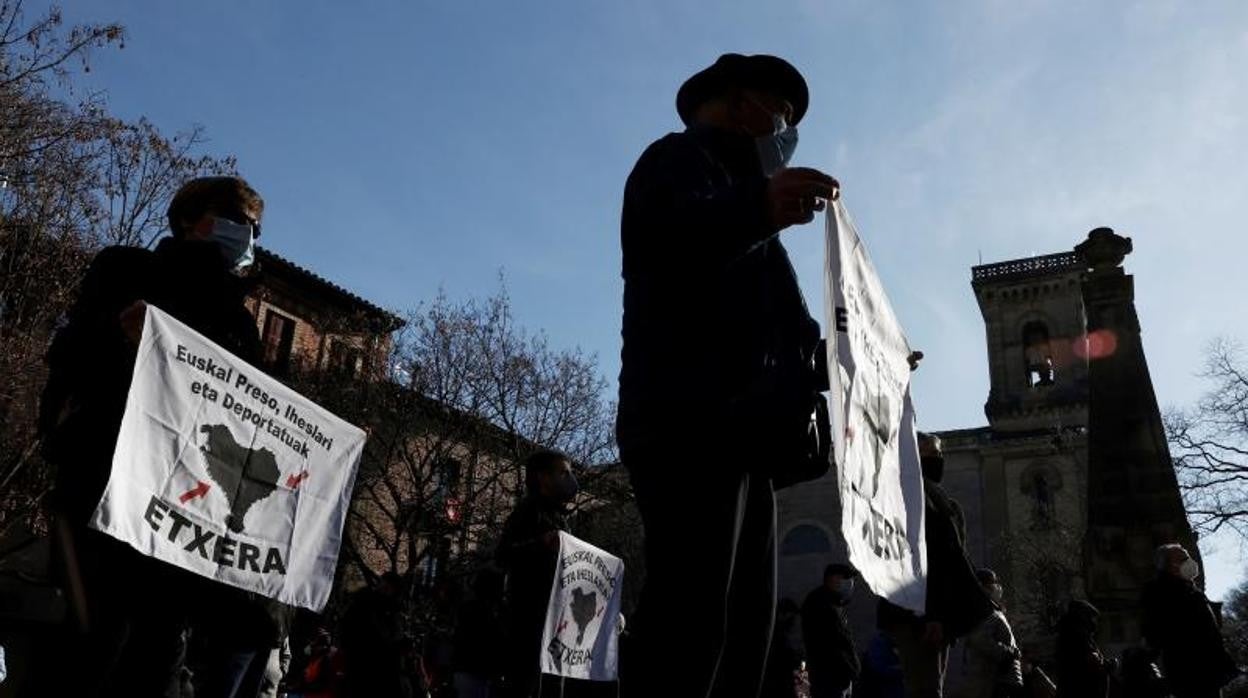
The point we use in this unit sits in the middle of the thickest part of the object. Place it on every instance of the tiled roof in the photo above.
(271, 260)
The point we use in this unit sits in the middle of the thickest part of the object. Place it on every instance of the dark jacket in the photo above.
(372, 645)
(1082, 671)
(992, 660)
(478, 650)
(90, 364)
(712, 309)
(830, 653)
(955, 598)
(784, 659)
(1179, 623)
(90, 361)
(529, 564)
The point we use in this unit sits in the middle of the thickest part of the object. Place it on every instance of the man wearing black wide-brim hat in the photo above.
(717, 382)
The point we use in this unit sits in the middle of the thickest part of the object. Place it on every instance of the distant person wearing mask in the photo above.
(528, 552)
(129, 638)
(831, 657)
(718, 379)
(956, 602)
(1180, 625)
(993, 667)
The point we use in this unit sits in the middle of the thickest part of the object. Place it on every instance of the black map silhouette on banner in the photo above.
(584, 608)
(244, 476)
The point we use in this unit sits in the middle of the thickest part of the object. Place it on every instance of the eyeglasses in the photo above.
(241, 218)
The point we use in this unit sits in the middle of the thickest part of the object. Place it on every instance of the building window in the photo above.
(1040, 483)
(446, 477)
(1038, 352)
(345, 358)
(437, 558)
(279, 340)
(805, 540)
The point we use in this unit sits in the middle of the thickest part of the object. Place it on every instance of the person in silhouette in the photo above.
(130, 610)
(527, 551)
(1180, 625)
(1082, 669)
(956, 602)
(716, 379)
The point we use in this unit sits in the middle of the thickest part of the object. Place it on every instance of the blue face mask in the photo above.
(845, 590)
(775, 150)
(237, 243)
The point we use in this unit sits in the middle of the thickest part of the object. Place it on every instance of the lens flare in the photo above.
(1098, 344)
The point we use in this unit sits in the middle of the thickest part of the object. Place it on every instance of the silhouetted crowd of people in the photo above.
(1182, 655)
(719, 406)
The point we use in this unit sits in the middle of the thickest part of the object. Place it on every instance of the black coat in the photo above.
(1179, 623)
(830, 652)
(1082, 671)
(90, 364)
(712, 308)
(90, 361)
(529, 564)
(955, 598)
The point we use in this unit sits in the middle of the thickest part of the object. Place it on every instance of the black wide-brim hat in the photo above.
(735, 71)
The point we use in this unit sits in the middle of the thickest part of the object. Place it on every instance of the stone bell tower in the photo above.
(1070, 487)
(1133, 494)
(1029, 466)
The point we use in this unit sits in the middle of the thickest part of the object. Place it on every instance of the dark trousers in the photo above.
(135, 642)
(826, 684)
(524, 640)
(704, 620)
(1184, 692)
(232, 672)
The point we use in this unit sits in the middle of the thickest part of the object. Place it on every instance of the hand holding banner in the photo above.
(580, 639)
(223, 471)
(880, 481)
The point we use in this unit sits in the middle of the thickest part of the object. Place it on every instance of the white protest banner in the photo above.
(225, 472)
(580, 639)
(881, 484)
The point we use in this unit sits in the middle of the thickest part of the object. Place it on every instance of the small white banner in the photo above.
(877, 459)
(581, 638)
(225, 472)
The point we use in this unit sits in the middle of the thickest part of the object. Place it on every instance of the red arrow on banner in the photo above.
(200, 489)
(293, 481)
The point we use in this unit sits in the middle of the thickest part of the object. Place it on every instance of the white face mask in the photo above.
(996, 592)
(1189, 570)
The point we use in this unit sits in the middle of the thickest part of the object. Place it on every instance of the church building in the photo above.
(1069, 487)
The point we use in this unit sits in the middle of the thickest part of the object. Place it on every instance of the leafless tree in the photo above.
(71, 179)
(1209, 444)
(140, 170)
(467, 395)
(1043, 561)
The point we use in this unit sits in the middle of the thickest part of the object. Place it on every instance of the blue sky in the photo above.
(405, 147)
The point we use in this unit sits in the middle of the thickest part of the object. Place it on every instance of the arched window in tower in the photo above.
(805, 539)
(1038, 353)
